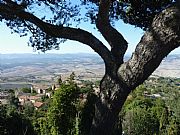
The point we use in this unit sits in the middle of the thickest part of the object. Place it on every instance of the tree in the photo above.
(59, 81)
(140, 121)
(28, 109)
(14, 123)
(160, 20)
(62, 112)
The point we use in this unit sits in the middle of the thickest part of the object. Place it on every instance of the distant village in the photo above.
(37, 92)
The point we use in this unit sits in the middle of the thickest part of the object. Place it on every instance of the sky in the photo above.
(13, 43)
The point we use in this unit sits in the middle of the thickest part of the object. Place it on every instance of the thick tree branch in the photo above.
(157, 43)
(60, 31)
(114, 38)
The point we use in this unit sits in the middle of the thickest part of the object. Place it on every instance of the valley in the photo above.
(24, 70)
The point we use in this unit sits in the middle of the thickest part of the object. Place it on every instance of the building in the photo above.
(33, 99)
(4, 97)
(37, 105)
(26, 98)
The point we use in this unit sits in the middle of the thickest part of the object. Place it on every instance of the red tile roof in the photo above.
(38, 104)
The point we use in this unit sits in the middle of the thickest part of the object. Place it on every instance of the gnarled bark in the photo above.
(157, 42)
(113, 37)
(112, 97)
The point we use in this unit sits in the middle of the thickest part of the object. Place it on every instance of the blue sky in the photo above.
(12, 43)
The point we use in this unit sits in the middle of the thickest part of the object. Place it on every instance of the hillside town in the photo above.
(34, 97)
(36, 93)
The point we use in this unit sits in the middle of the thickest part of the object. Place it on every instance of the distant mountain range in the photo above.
(45, 68)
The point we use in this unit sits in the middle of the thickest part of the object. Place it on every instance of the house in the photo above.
(53, 87)
(34, 98)
(157, 95)
(96, 90)
(153, 95)
(4, 97)
(4, 101)
(40, 89)
(25, 98)
(37, 105)
(49, 94)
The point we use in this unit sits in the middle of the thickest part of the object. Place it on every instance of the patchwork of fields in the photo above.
(20, 70)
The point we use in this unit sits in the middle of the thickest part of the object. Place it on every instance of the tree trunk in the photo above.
(120, 79)
(113, 94)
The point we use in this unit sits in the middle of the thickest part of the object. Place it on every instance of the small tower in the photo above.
(16, 93)
(53, 87)
(32, 89)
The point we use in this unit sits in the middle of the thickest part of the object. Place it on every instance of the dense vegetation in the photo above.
(152, 109)
(14, 122)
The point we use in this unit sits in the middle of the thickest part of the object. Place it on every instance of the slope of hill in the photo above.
(170, 67)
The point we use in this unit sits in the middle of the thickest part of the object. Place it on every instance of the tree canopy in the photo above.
(71, 13)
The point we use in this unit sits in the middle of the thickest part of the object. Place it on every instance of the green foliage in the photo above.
(72, 77)
(28, 110)
(14, 101)
(44, 98)
(26, 90)
(135, 12)
(59, 81)
(13, 122)
(97, 83)
(88, 87)
(87, 114)
(39, 122)
(67, 12)
(140, 118)
(67, 114)
(140, 121)
(3, 121)
(138, 92)
(62, 112)
(140, 13)
(174, 127)
(147, 115)
(42, 122)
